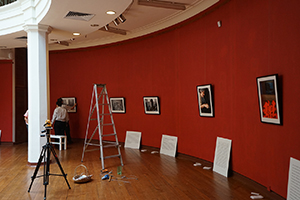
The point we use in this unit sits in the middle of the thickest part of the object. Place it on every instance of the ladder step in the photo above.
(104, 146)
(106, 124)
(112, 156)
(100, 85)
(110, 145)
(111, 142)
(103, 142)
(106, 135)
(92, 144)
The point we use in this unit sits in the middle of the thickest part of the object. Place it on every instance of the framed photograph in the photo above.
(117, 104)
(205, 100)
(69, 103)
(268, 99)
(151, 105)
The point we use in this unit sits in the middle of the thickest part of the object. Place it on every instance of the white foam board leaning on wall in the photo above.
(168, 145)
(294, 180)
(133, 139)
(222, 156)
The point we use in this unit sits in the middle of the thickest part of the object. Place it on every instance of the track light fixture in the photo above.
(65, 43)
(106, 27)
(116, 22)
(122, 18)
(111, 29)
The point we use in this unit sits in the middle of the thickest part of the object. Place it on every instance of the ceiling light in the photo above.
(110, 12)
(122, 18)
(76, 33)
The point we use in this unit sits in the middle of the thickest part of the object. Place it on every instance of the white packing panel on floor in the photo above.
(133, 139)
(294, 180)
(222, 156)
(168, 145)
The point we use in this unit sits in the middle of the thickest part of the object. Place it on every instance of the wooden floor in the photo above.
(144, 176)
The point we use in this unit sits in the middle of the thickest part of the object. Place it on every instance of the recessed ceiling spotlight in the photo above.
(110, 12)
(76, 33)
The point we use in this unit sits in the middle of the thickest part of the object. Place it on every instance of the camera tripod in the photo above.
(45, 155)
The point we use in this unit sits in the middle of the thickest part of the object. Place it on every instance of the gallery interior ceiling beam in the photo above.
(162, 4)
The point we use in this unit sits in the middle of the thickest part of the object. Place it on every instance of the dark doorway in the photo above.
(21, 95)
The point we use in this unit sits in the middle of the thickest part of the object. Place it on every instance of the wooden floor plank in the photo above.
(144, 176)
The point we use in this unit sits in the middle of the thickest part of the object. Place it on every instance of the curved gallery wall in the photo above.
(257, 38)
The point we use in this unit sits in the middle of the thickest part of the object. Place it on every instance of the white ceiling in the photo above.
(140, 20)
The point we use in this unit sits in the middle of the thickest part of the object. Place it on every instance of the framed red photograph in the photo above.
(268, 99)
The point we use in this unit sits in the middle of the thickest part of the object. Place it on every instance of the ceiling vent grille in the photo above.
(79, 16)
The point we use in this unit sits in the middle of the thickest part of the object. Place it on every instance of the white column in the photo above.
(37, 49)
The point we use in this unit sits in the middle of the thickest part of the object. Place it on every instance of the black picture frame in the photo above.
(269, 105)
(205, 100)
(151, 105)
(117, 105)
(70, 104)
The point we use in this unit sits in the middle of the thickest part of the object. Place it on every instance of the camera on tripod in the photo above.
(48, 127)
(45, 158)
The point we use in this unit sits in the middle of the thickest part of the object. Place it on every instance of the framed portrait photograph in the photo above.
(205, 100)
(117, 104)
(151, 105)
(70, 104)
(268, 99)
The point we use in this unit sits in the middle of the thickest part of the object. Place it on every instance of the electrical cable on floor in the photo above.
(122, 179)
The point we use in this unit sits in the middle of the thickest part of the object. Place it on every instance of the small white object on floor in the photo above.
(143, 150)
(197, 164)
(153, 152)
(207, 168)
(256, 197)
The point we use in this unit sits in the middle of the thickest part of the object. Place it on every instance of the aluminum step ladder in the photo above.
(101, 120)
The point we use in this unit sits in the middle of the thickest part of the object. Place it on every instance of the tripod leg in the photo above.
(46, 170)
(42, 155)
(45, 192)
(61, 169)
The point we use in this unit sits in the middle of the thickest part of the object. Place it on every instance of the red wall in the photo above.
(256, 38)
(6, 100)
